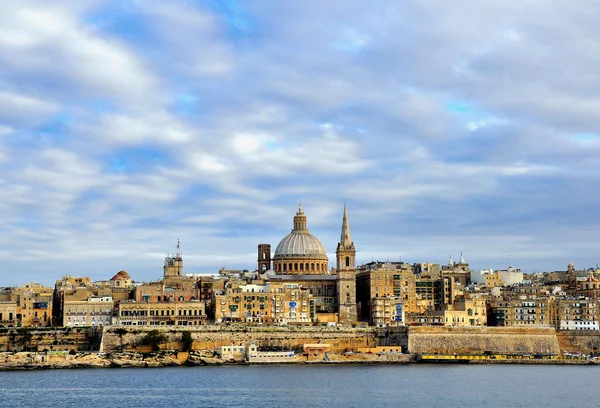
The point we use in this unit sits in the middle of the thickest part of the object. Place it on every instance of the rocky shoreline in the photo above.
(58, 360)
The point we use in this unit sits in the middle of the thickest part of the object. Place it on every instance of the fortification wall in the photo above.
(497, 340)
(581, 341)
(210, 337)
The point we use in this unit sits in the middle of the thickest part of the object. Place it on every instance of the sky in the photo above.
(445, 126)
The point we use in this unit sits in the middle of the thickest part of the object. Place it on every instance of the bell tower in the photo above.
(174, 264)
(346, 274)
(264, 257)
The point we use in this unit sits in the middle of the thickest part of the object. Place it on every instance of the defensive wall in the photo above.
(210, 337)
(440, 340)
(480, 340)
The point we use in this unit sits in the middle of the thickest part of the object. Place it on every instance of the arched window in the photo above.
(301, 266)
(312, 266)
(347, 261)
(284, 267)
(296, 266)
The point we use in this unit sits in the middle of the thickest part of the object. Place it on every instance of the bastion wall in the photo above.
(209, 337)
(496, 340)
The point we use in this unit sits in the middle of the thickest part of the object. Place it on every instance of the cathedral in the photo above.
(300, 258)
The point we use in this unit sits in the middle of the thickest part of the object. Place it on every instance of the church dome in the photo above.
(300, 243)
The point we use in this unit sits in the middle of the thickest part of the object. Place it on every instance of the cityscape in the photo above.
(295, 284)
(266, 203)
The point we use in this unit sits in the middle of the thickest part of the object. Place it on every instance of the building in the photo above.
(576, 314)
(91, 312)
(274, 303)
(301, 259)
(468, 311)
(386, 292)
(161, 313)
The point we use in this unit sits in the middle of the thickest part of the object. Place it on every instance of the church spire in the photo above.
(345, 238)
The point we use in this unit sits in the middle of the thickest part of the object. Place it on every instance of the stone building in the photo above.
(161, 313)
(525, 310)
(173, 300)
(90, 312)
(272, 303)
(34, 303)
(467, 311)
(301, 259)
(386, 292)
(575, 313)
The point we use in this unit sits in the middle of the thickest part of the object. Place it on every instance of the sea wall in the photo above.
(580, 341)
(210, 337)
(16, 339)
(479, 340)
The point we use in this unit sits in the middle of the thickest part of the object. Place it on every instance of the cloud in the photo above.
(445, 127)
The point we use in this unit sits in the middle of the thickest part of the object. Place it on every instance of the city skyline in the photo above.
(446, 128)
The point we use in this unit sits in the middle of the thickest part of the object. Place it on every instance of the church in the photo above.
(300, 258)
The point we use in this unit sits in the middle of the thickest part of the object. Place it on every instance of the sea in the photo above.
(288, 386)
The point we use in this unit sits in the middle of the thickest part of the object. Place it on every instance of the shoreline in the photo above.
(22, 361)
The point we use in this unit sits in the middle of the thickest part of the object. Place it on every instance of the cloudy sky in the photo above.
(446, 126)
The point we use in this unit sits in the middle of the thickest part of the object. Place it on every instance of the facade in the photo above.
(468, 311)
(522, 311)
(161, 313)
(386, 292)
(576, 314)
(91, 312)
(273, 303)
(34, 303)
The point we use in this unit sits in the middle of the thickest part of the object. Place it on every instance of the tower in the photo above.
(346, 274)
(174, 263)
(264, 257)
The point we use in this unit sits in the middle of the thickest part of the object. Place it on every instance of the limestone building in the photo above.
(301, 259)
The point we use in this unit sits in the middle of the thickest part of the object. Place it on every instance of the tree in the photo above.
(187, 340)
(121, 331)
(154, 338)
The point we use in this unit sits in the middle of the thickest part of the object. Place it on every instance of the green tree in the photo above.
(154, 338)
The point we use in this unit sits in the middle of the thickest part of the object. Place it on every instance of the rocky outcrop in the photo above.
(35, 360)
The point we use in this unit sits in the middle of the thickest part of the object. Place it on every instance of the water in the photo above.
(305, 386)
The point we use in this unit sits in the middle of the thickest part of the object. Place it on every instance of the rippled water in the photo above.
(306, 386)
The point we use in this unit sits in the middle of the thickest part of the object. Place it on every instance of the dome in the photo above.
(121, 275)
(300, 244)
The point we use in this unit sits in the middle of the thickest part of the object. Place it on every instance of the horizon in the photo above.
(446, 128)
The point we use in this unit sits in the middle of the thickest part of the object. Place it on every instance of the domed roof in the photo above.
(300, 243)
(121, 275)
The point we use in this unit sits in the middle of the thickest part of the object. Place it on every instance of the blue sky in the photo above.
(445, 126)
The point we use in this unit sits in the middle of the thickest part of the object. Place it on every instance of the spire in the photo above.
(450, 261)
(178, 253)
(462, 260)
(345, 238)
